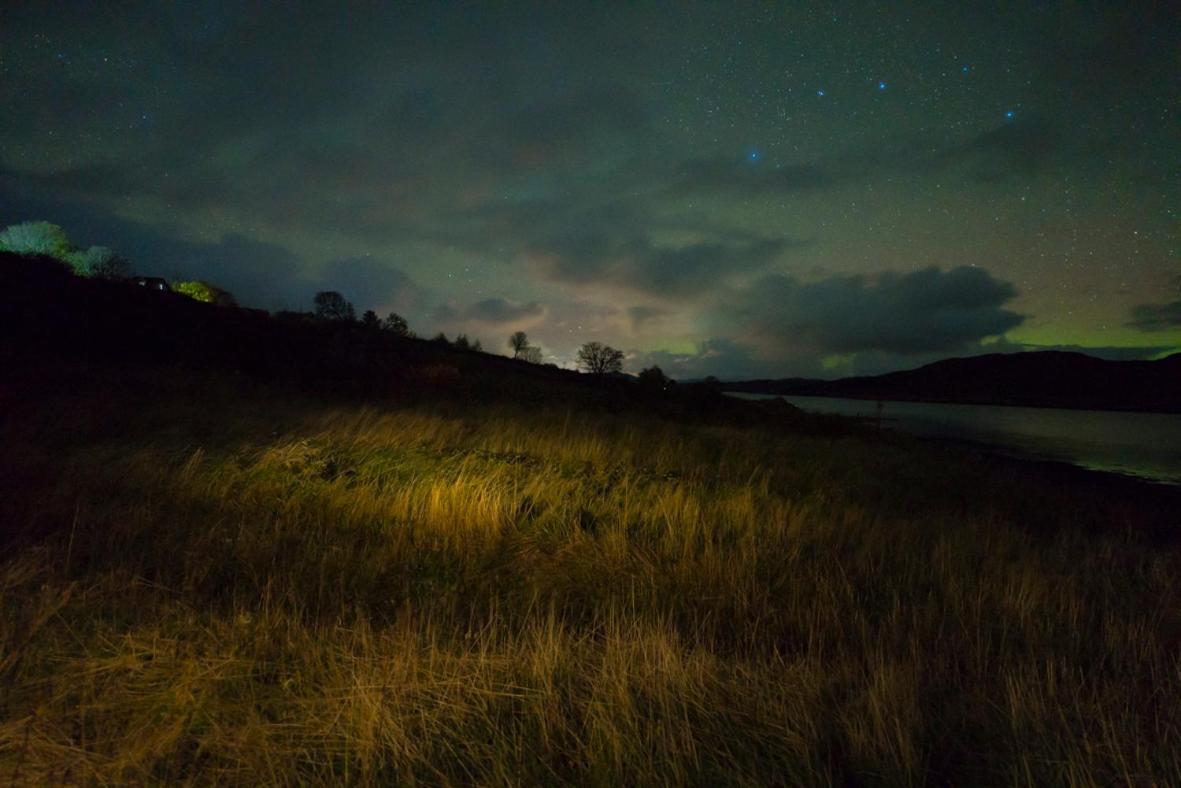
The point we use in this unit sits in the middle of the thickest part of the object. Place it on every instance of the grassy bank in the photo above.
(209, 585)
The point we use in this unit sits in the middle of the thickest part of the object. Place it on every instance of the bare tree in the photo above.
(532, 354)
(599, 359)
(519, 342)
(331, 305)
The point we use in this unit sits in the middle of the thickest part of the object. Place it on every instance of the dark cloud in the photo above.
(498, 310)
(1017, 148)
(640, 264)
(575, 123)
(846, 325)
(1013, 148)
(620, 243)
(487, 313)
(749, 178)
(1104, 51)
(920, 312)
(639, 315)
(371, 283)
(718, 356)
(1156, 317)
(259, 273)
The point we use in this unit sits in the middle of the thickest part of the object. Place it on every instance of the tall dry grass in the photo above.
(219, 589)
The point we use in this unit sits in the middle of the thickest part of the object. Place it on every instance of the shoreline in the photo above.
(933, 401)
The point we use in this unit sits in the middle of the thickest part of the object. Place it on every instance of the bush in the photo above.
(204, 292)
(99, 262)
(36, 238)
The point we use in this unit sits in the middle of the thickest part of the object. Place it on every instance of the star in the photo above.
(1010, 114)
(881, 86)
(754, 155)
(820, 93)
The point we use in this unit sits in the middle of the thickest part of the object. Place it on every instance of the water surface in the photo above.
(1147, 445)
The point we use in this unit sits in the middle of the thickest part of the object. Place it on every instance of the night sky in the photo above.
(727, 189)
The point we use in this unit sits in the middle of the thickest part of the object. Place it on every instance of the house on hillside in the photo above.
(152, 283)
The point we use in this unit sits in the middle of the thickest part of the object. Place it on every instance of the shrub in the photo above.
(204, 292)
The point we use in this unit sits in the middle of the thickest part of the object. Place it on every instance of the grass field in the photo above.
(206, 585)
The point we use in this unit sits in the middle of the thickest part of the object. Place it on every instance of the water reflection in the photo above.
(1139, 444)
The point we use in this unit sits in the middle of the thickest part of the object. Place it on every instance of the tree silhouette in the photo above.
(653, 379)
(370, 320)
(519, 342)
(599, 359)
(331, 305)
(396, 324)
(532, 354)
(462, 343)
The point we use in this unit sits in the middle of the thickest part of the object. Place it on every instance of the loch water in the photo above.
(1147, 445)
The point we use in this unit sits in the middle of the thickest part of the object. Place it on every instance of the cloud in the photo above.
(718, 356)
(749, 178)
(1133, 43)
(496, 314)
(371, 283)
(925, 311)
(498, 310)
(584, 240)
(640, 264)
(1015, 148)
(630, 258)
(259, 273)
(779, 326)
(639, 315)
(1156, 317)
(574, 123)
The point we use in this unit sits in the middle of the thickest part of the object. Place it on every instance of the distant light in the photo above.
(1010, 114)
(820, 93)
(754, 155)
(965, 69)
(881, 86)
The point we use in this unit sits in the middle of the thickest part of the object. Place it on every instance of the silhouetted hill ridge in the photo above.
(46, 312)
(1049, 378)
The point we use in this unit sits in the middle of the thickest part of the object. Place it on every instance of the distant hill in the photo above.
(1049, 379)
